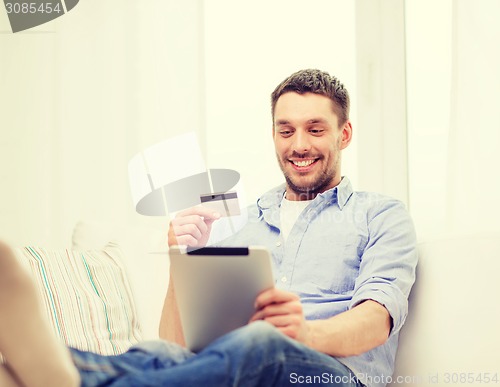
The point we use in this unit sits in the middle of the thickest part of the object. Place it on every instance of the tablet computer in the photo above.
(216, 287)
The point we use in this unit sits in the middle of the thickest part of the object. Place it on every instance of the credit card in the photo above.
(225, 203)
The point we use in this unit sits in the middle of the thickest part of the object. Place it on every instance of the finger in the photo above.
(191, 220)
(291, 321)
(288, 308)
(274, 295)
(289, 327)
(205, 213)
(192, 225)
(189, 229)
(186, 240)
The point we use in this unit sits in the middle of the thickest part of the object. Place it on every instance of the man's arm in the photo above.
(192, 228)
(170, 323)
(379, 303)
(350, 333)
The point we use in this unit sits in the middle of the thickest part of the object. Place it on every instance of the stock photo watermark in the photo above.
(24, 14)
(437, 378)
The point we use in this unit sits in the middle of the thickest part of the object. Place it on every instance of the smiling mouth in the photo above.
(303, 164)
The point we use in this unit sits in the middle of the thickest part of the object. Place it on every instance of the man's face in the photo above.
(308, 142)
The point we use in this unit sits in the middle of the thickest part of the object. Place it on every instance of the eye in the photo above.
(316, 131)
(285, 132)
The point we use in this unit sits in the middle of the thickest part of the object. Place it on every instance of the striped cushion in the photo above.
(86, 296)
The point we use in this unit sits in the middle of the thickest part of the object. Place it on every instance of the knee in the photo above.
(8, 262)
(11, 271)
(258, 343)
(5, 252)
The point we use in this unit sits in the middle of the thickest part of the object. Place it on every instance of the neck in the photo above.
(298, 196)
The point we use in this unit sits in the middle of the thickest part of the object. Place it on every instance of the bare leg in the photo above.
(34, 355)
(7, 378)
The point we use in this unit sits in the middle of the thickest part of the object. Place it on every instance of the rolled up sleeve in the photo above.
(388, 263)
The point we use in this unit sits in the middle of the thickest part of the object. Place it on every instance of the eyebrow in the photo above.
(282, 122)
(316, 121)
(311, 121)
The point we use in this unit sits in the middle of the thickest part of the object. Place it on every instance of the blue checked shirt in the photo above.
(345, 247)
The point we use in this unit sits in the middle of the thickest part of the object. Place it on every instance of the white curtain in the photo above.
(453, 58)
(473, 186)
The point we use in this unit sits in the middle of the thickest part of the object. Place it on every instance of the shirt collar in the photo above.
(339, 194)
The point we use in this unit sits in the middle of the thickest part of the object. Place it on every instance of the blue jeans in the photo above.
(255, 355)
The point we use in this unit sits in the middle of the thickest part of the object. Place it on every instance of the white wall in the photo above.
(429, 83)
(249, 49)
(79, 97)
(472, 185)
(454, 122)
(381, 102)
(27, 78)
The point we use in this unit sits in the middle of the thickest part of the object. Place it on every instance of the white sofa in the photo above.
(147, 268)
(451, 333)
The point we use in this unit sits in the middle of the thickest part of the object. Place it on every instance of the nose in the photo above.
(301, 143)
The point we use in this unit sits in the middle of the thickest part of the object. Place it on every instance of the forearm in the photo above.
(353, 332)
(170, 323)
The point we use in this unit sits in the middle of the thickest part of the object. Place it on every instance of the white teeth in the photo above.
(303, 163)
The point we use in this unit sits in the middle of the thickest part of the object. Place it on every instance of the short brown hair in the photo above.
(317, 82)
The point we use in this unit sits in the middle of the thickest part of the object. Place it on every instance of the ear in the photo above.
(346, 134)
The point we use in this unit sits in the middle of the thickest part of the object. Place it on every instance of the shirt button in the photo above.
(278, 243)
(283, 279)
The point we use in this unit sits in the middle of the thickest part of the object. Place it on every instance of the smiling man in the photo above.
(344, 261)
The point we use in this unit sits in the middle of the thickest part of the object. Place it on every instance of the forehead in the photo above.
(293, 106)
